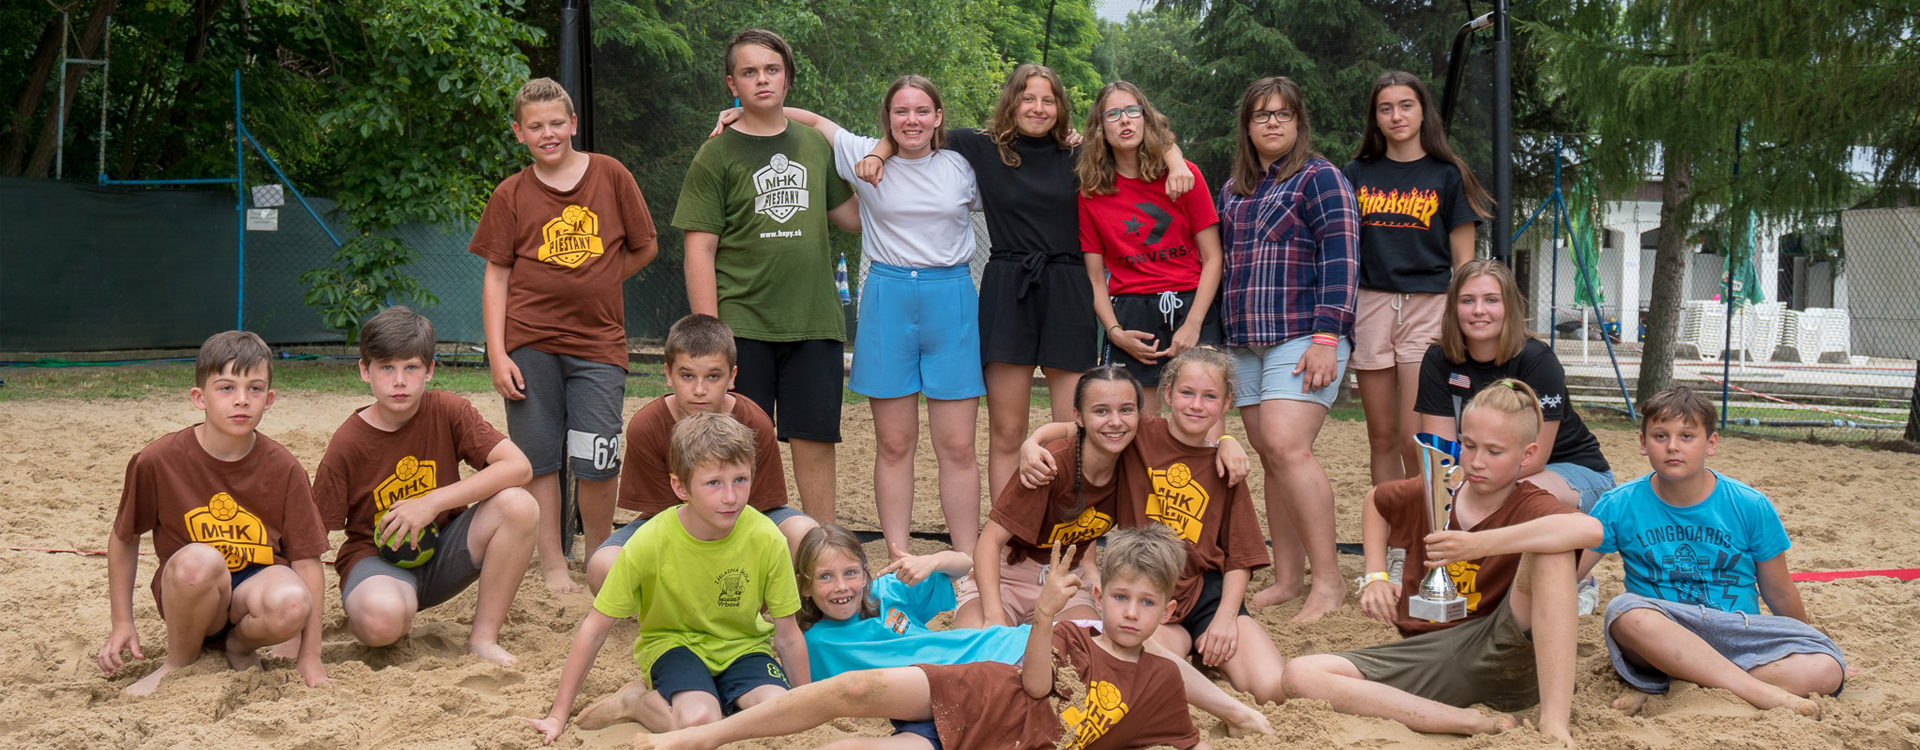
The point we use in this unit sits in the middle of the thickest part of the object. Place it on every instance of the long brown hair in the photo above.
(1513, 325)
(1433, 136)
(1246, 161)
(1095, 167)
(939, 137)
(816, 544)
(1002, 127)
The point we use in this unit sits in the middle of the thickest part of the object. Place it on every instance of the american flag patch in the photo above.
(1458, 380)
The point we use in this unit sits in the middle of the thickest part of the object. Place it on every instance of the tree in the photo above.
(1662, 84)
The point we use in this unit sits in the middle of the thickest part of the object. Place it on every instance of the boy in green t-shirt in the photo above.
(755, 208)
(698, 575)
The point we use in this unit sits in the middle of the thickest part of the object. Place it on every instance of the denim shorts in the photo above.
(1265, 373)
(1589, 483)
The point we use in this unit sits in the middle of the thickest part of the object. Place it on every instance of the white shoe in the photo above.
(1396, 562)
(1589, 596)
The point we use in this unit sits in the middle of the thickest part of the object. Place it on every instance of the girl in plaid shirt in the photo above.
(1290, 230)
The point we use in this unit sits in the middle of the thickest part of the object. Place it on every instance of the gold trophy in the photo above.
(1439, 600)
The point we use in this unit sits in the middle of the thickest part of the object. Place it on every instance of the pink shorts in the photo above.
(1019, 590)
(1392, 328)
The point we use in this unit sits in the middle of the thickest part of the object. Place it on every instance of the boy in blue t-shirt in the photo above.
(1700, 551)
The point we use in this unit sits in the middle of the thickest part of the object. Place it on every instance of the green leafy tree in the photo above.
(1662, 84)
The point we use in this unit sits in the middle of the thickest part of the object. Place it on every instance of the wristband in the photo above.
(1326, 339)
(872, 156)
(1111, 327)
(1225, 438)
(1377, 576)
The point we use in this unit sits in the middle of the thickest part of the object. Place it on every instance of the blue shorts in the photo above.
(919, 333)
(1265, 373)
(679, 670)
(620, 535)
(1589, 483)
(1748, 641)
(922, 729)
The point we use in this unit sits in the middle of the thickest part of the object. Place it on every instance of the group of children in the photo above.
(1116, 534)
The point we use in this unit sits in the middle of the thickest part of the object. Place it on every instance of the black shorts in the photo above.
(680, 670)
(797, 382)
(218, 641)
(922, 729)
(1200, 617)
(1038, 312)
(1146, 312)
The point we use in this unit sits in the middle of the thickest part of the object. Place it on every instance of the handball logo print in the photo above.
(411, 477)
(1090, 524)
(223, 525)
(781, 188)
(1085, 724)
(1178, 501)
(572, 238)
(1466, 578)
(733, 585)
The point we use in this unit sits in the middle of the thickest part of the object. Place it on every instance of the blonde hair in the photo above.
(1095, 167)
(815, 545)
(1510, 397)
(1202, 356)
(540, 91)
(1003, 126)
(1150, 552)
(240, 350)
(707, 439)
(1513, 326)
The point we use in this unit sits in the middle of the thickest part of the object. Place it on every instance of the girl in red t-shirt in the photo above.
(1154, 261)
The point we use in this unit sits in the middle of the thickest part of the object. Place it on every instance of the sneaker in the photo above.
(1589, 596)
(1396, 562)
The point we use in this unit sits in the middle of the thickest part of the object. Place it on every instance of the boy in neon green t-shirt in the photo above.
(697, 576)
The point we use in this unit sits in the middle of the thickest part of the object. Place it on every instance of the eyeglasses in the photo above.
(1131, 112)
(1261, 116)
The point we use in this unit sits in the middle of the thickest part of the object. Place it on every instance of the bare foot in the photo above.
(492, 652)
(623, 706)
(1803, 706)
(559, 581)
(149, 683)
(1631, 703)
(289, 649)
(239, 660)
(1320, 602)
(1275, 595)
(668, 741)
(1559, 733)
(1496, 724)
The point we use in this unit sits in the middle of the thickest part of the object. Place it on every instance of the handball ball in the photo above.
(405, 555)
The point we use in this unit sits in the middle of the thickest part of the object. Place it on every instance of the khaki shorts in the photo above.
(1019, 592)
(1485, 660)
(1390, 328)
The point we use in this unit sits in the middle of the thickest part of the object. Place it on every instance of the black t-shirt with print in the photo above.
(1539, 369)
(1407, 209)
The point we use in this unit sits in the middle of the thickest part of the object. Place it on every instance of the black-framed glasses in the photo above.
(1261, 116)
(1131, 112)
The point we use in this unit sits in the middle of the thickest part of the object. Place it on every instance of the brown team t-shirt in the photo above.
(367, 469)
(643, 476)
(1483, 582)
(1043, 517)
(566, 247)
(1180, 487)
(983, 706)
(257, 510)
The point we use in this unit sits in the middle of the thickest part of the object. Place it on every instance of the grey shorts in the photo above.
(1748, 641)
(572, 411)
(450, 571)
(620, 535)
(1484, 660)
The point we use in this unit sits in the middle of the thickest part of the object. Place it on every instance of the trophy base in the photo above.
(1432, 610)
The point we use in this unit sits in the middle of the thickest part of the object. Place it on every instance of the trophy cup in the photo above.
(1438, 600)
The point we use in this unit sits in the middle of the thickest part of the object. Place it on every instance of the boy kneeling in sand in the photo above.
(233, 523)
(698, 575)
(1697, 547)
(1513, 561)
(418, 534)
(1117, 696)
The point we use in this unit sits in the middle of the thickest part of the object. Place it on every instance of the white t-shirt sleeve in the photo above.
(848, 150)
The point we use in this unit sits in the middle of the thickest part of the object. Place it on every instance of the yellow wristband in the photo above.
(1225, 438)
(1378, 576)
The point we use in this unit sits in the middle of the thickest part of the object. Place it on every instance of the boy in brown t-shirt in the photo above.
(560, 237)
(1118, 697)
(418, 534)
(700, 357)
(1515, 648)
(233, 524)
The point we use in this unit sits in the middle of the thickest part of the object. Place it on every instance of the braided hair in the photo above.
(1103, 373)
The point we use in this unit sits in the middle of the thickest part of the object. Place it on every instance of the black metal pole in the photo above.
(1456, 67)
(1046, 39)
(1502, 133)
(570, 51)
